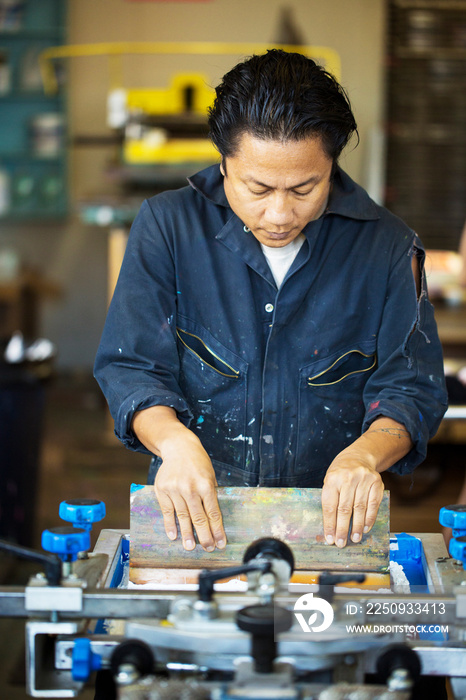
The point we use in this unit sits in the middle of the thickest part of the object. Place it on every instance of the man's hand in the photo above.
(185, 484)
(353, 487)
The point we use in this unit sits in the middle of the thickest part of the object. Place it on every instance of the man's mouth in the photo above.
(278, 234)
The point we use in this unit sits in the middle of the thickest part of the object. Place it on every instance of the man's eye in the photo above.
(302, 194)
(259, 192)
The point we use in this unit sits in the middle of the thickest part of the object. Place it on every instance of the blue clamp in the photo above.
(82, 512)
(454, 517)
(457, 549)
(84, 660)
(67, 542)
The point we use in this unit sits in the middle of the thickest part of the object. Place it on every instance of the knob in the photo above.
(269, 548)
(84, 660)
(66, 542)
(455, 517)
(457, 548)
(264, 622)
(82, 512)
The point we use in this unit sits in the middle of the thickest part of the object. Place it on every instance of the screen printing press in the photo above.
(277, 614)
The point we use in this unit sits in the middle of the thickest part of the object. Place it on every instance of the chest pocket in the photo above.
(214, 382)
(204, 354)
(356, 361)
(331, 406)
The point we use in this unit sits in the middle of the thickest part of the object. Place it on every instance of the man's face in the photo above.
(277, 187)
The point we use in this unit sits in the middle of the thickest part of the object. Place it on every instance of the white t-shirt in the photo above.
(280, 259)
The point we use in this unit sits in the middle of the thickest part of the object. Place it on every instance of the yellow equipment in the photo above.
(188, 92)
(173, 151)
(188, 95)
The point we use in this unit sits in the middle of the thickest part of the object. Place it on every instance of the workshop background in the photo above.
(68, 190)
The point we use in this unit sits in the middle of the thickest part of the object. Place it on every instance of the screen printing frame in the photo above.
(440, 570)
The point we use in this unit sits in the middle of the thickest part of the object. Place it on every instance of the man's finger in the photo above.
(329, 512)
(168, 512)
(359, 512)
(344, 513)
(184, 520)
(201, 523)
(214, 515)
(373, 502)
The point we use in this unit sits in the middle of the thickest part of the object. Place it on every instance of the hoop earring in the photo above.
(246, 229)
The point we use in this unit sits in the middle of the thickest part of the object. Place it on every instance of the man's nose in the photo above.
(279, 210)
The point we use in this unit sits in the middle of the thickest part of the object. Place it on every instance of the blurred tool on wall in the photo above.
(164, 126)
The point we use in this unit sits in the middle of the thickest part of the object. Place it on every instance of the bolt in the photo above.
(182, 608)
(400, 680)
(127, 674)
(206, 609)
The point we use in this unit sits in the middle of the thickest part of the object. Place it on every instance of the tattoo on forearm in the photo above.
(396, 432)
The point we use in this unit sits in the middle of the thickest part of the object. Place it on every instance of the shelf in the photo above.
(29, 158)
(51, 35)
(429, 134)
(23, 96)
(35, 215)
(109, 211)
(156, 175)
(445, 54)
(430, 4)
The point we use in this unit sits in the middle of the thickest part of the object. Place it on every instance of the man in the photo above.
(271, 324)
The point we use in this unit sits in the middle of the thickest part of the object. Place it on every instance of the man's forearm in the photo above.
(158, 428)
(384, 443)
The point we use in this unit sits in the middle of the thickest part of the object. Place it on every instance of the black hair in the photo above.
(280, 96)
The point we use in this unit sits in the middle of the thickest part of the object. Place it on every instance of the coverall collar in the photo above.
(346, 197)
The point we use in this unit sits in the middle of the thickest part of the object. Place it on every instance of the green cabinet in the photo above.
(32, 124)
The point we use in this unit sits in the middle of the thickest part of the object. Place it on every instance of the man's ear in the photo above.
(223, 167)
